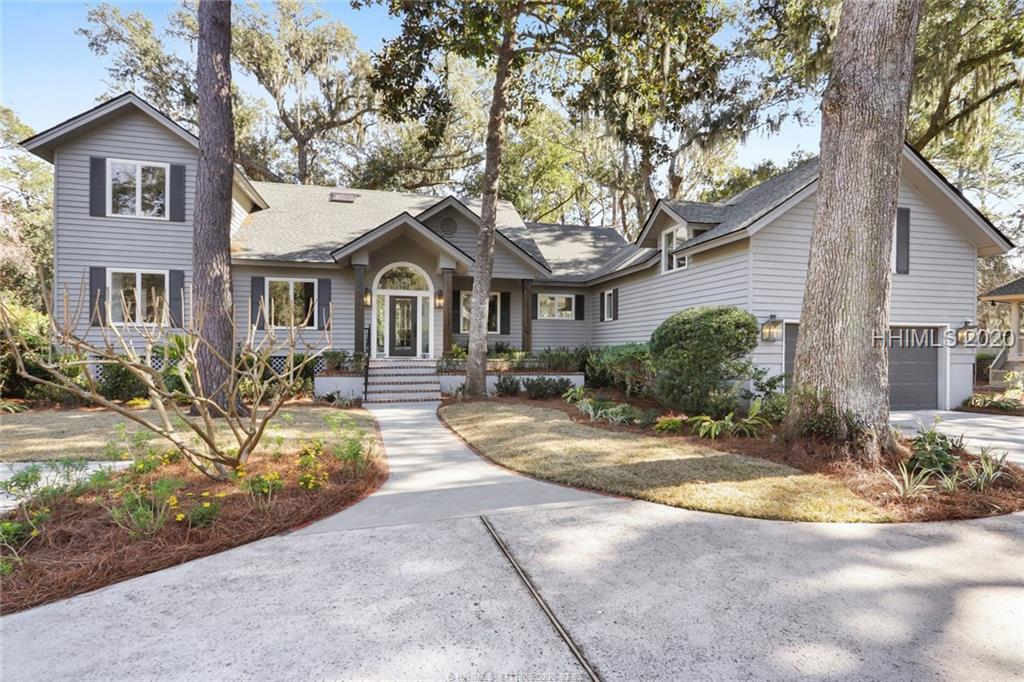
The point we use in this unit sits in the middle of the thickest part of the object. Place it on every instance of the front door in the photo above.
(402, 311)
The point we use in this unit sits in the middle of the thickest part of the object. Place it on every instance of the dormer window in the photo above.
(137, 189)
(670, 239)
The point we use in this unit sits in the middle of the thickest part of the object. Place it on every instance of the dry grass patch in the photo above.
(40, 435)
(547, 444)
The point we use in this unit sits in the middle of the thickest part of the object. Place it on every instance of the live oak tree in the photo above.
(308, 67)
(841, 370)
(211, 222)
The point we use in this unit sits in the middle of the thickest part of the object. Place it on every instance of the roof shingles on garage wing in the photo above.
(743, 209)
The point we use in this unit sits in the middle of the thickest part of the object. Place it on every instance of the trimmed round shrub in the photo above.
(698, 356)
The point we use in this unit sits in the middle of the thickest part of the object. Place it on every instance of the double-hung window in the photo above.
(670, 239)
(138, 189)
(493, 312)
(137, 296)
(556, 306)
(609, 305)
(291, 302)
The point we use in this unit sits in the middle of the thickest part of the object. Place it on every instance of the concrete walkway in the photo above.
(435, 476)
(413, 586)
(1002, 432)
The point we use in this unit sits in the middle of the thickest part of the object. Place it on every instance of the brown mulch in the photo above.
(870, 482)
(82, 549)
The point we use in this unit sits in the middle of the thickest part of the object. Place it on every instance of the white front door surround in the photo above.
(380, 312)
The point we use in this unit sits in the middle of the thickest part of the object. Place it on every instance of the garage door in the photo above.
(913, 372)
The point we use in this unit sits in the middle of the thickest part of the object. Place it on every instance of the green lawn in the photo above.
(547, 444)
(84, 433)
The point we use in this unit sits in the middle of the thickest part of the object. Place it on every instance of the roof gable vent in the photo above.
(343, 197)
(448, 226)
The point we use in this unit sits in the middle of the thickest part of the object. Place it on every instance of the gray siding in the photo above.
(507, 264)
(717, 277)
(939, 289)
(557, 333)
(81, 241)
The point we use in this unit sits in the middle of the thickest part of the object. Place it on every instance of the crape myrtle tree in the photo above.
(568, 47)
(840, 368)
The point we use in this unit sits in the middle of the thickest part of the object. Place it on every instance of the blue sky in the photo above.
(48, 74)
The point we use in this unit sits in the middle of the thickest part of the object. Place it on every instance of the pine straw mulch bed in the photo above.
(991, 410)
(82, 549)
(867, 482)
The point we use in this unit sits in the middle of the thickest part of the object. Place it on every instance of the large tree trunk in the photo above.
(476, 363)
(839, 363)
(211, 242)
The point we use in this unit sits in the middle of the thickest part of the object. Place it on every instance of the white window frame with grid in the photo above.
(540, 307)
(138, 189)
(464, 318)
(292, 281)
(609, 305)
(669, 261)
(138, 288)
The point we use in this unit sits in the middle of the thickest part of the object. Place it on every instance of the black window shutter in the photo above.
(323, 301)
(505, 321)
(902, 241)
(534, 307)
(580, 302)
(457, 311)
(615, 303)
(256, 291)
(97, 296)
(97, 186)
(175, 298)
(177, 199)
(601, 316)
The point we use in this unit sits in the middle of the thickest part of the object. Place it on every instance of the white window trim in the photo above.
(292, 281)
(138, 286)
(572, 299)
(138, 190)
(463, 323)
(669, 261)
(609, 305)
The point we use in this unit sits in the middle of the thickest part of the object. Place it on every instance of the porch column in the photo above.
(1017, 351)
(359, 316)
(446, 322)
(527, 315)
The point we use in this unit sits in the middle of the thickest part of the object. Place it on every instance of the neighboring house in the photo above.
(401, 265)
(1010, 358)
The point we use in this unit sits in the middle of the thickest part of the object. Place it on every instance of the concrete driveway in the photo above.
(552, 584)
(1002, 432)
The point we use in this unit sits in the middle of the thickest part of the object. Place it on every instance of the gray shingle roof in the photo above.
(302, 224)
(745, 208)
(575, 252)
(1014, 288)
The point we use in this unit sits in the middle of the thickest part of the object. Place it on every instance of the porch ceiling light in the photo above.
(439, 299)
(772, 329)
(966, 333)
(367, 298)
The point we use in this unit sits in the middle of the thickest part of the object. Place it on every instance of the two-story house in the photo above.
(401, 265)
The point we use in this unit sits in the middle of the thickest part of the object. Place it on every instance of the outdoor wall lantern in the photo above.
(439, 299)
(772, 329)
(367, 299)
(966, 333)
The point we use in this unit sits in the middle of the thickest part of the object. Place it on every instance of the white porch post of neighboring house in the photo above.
(1016, 353)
